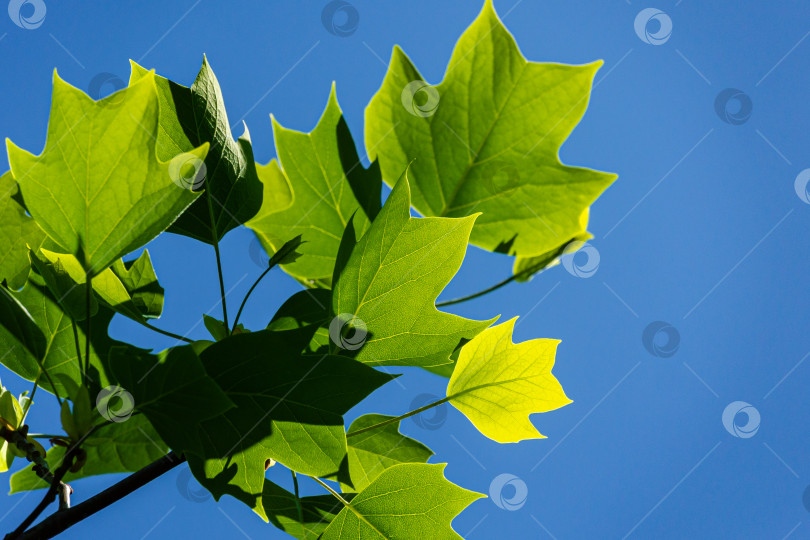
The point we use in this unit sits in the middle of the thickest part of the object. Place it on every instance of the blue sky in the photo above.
(704, 231)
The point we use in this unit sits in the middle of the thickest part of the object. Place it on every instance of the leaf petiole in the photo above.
(400, 417)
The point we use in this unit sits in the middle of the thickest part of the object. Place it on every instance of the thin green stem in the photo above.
(46, 436)
(297, 498)
(165, 332)
(330, 490)
(400, 417)
(76, 340)
(50, 381)
(30, 398)
(215, 241)
(244, 300)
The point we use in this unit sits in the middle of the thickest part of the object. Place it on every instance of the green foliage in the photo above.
(476, 155)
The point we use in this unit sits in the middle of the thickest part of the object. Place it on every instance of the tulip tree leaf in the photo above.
(410, 500)
(391, 281)
(98, 189)
(282, 509)
(497, 384)
(373, 451)
(487, 140)
(141, 284)
(329, 185)
(115, 447)
(17, 232)
(289, 408)
(304, 309)
(190, 117)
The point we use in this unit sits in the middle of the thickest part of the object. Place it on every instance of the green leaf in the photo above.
(190, 117)
(487, 140)
(317, 511)
(141, 283)
(131, 291)
(215, 327)
(374, 451)
(306, 309)
(411, 500)
(390, 284)
(98, 189)
(21, 338)
(173, 390)
(526, 267)
(288, 253)
(498, 384)
(17, 232)
(113, 448)
(329, 185)
(289, 408)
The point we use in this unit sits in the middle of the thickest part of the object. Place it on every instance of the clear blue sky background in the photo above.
(703, 230)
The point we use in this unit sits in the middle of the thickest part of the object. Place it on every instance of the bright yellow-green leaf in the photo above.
(486, 139)
(497, 384)
(98, 189)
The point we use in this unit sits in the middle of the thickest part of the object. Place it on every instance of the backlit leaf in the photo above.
(17, 232)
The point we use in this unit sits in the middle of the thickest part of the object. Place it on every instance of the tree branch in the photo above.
(64, 519)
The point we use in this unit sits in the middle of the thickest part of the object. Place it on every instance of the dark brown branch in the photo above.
(64, 519)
